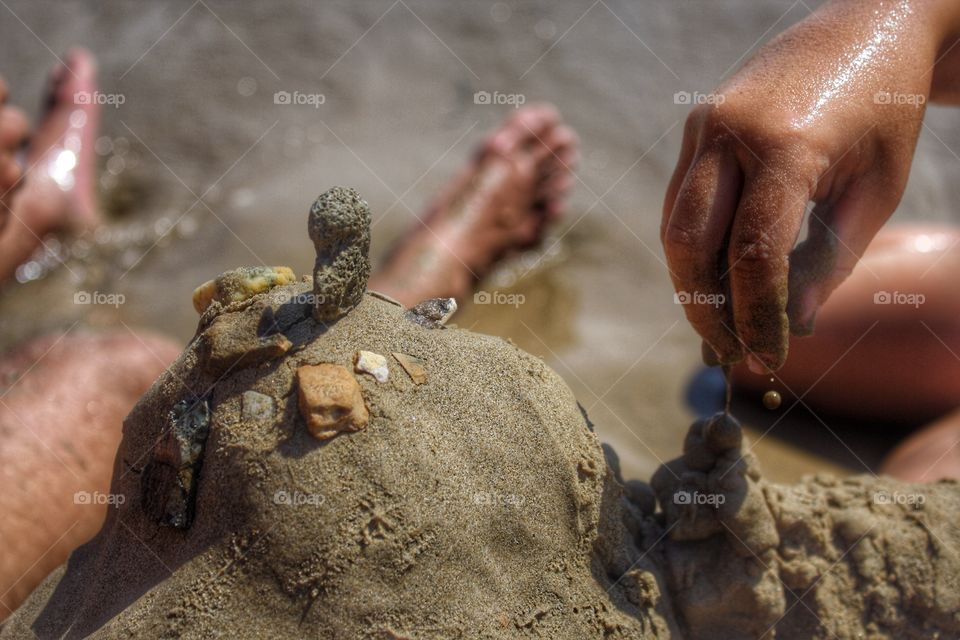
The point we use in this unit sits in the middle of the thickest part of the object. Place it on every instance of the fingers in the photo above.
(694, 242)
(764, 231)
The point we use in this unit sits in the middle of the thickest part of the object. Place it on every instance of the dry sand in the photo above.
(478, 504)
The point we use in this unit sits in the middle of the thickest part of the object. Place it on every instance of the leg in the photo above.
(878, 354)
(503, 199)
(62, 405)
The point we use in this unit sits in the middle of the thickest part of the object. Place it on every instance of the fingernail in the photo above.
(756, 365)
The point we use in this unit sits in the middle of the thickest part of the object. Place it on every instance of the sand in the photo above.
(477, 504)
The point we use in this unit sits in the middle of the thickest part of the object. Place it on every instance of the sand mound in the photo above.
(321, 462)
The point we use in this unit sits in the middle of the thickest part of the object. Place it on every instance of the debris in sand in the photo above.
(239, 284)
(168, 485)
(339, 225)
(330, 400)
(432, 313)
(372, 363)
(415, 367)
(257, 407)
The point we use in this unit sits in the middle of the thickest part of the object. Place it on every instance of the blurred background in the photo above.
(212, 161)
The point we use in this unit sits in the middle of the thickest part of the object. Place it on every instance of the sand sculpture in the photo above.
(321, 462)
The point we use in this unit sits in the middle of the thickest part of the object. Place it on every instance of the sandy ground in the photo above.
(199, 135)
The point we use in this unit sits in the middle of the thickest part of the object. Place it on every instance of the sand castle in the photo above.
(321, 462)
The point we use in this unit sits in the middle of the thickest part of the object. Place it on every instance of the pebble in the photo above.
(239, 284)
(257, 407)
(372, 363)
(432, 313)
(330, 400)
(413, 366)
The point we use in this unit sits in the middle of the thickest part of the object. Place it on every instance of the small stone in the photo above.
(772, 399)
(413, 366)
(339, 225)
(239, 284)
(372, 363)
(432, 313)
(330, 400)
(257, 407)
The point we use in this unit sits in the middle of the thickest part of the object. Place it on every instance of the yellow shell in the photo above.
(240, 284)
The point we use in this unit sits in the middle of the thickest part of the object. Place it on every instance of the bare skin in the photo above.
(886, 349)
(53, 190)
(829, 112)
(503, 199)
(514, 186)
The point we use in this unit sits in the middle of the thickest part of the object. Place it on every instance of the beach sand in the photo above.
(398, 81)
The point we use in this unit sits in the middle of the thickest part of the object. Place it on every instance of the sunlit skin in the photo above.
(829, 112)
(46, 178)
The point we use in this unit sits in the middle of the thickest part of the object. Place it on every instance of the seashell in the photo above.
(413, 366)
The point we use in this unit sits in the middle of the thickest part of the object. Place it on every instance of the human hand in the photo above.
(829, 112)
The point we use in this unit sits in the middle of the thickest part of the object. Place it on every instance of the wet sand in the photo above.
(398, 118)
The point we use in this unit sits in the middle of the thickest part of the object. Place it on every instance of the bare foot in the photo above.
(56, 189)
(513, 188)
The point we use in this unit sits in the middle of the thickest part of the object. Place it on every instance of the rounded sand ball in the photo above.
(772, 399)
(722, 432)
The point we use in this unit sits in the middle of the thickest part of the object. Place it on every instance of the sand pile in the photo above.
(322, 462)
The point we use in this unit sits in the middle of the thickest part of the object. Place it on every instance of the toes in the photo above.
(14, 127)
(522, 129)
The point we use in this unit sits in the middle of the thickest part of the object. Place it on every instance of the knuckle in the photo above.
(753, 249)
(681, 243)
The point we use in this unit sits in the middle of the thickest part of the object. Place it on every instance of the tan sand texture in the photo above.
(476, 504)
